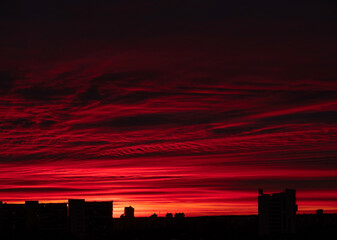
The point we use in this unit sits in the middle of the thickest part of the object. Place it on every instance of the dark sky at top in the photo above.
(169, 105)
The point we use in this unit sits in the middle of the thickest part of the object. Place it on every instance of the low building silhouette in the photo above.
(179, 215)
(98, 219)
(277, 212)
(129, 212)
(169, 216)
(32, 220)
(169, 220)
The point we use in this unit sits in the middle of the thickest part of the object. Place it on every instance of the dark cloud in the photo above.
(322, 183)
(88, 143)
(152, 120)
(6, 81)
(321, 117)
(18, 123)
(91, 94)
(126, 79)
(234, 130)
(138, 97)
(294, 97)
(143, 120)
(42, 190)
(41, 94)
(47, 123)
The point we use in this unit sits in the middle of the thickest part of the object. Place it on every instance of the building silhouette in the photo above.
(53, 219)
(77, 218)
(84, 220)
(179, 215)
(33, 219)
(32, 216)
(277, 212)
(98, 219)
(93, 220)
(129, 212)
(89, 219)
(12, 219)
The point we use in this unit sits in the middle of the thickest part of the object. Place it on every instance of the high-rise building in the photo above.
(277, 212)
(32, 216)
(89, 219)
(77, 218)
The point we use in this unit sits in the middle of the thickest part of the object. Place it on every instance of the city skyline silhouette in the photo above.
(84, 220)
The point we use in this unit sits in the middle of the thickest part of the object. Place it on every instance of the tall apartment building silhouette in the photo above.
(277, 212)
(89, 219)
(77, 218)
(32, 215)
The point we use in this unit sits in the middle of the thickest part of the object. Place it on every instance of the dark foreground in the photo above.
(309, 226)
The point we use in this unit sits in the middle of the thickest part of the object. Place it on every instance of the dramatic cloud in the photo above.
(187, 106)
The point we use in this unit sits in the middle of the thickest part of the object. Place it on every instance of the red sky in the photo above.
(181, 107)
